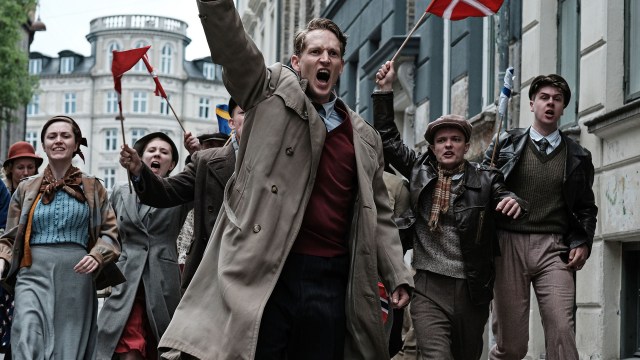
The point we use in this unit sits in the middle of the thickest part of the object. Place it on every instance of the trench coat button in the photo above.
(274, 189)
(256, 228)
(145, 248)
(210, 209)
(289, 151)
(121, 218)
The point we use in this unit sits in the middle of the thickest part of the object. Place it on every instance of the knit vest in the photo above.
(327, 218)
(438, 251)
(538, 179)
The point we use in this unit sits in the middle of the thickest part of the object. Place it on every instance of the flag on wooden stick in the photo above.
(122, 62)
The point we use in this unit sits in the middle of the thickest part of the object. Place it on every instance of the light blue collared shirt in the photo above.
(554, 139)
(330, 116)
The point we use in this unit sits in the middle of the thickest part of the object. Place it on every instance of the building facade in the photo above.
(273, 24)
(82, 87)
(457, 67)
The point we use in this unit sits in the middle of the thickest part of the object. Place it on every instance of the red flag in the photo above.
(461, 9)
(123, 61)
(159, 91)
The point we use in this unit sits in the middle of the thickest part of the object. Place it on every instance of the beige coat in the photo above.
(282, 140)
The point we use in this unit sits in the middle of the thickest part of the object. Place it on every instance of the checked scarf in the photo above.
(442, 194)
(70, 183)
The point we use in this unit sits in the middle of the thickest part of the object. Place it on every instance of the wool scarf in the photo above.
(442, 194)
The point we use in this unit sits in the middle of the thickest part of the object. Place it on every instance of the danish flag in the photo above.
(461, 9)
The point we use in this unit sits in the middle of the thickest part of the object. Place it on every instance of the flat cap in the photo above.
(444, 121)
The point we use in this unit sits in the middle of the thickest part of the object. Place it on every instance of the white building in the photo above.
(82, 88)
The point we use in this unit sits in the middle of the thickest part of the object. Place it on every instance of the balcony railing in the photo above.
(139, 22)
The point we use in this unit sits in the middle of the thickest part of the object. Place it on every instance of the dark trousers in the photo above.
(447, 324)
(305, 316)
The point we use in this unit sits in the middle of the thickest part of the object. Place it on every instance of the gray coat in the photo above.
(264, 204)
(149, 259)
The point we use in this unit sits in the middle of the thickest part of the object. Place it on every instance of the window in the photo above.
(111, 139)
(164, 106)
(109, 175)
(569, 54)
(70, 103)
(32, 138)
(136, 134)
(139, 102)
(34, 106)
(203, 112)
(165, 60)
(112, 102)
(632, 49)
(209, 71)
(140, 64)
(35, 66)
(112, 46)
(66, 65)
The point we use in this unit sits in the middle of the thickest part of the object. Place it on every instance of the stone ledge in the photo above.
(615, 122)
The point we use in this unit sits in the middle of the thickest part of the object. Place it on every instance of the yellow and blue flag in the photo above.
(222, 113)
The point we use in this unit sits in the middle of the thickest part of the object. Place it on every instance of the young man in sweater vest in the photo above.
(555, 175)
(455, 205)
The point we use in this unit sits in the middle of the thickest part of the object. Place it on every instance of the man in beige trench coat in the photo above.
(306, 230)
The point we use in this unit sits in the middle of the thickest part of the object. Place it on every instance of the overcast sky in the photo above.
(68, 21)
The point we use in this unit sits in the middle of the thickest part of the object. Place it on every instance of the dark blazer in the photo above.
(202, 181)
(577, 189)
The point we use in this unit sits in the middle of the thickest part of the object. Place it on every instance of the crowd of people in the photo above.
(303, 235)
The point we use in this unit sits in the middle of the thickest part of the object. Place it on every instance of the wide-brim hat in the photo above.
(142, 142)
(213, 137)
(445, 121)
(22, 149)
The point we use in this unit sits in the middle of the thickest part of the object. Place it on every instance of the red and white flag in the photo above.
(461, 9)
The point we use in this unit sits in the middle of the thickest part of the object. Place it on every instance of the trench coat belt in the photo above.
(225, 201)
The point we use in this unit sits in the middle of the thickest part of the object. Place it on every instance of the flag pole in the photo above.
(124, 141)
(174, 114)
(422, 19)
(505, 95)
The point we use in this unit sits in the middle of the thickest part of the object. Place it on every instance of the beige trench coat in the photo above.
(282, 140)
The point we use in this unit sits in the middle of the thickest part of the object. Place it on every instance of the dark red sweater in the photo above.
(327, 219)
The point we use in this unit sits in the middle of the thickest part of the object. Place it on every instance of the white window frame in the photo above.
(136, 134)
(204, 108)
(111, 139)
(164, 106)
(139, 103)
(66, 65)
(35, 66)
(166, 60)
(140, 64)
(209, 71)
(111, 102)
(109, 177)
(32, 138)
(70, 103)
(34, 105)
(112, 46)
